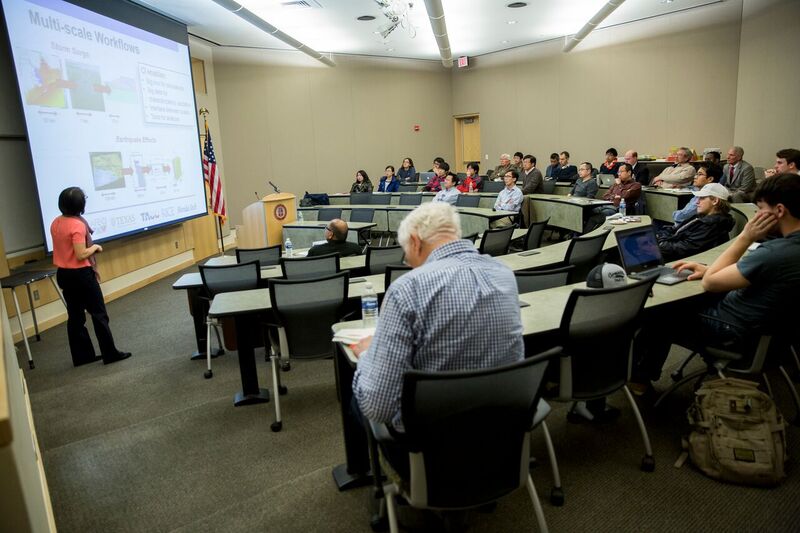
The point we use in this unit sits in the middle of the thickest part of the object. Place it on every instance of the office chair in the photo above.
(538, 280)
(493, 186)
(268, 256)
(362, 215)
(406, 188)
(496, 241)
(465, 200)
(467, 437)
(360, 198)
(584, 253)
(309, 267)
(596, 356)
(411, 199)
(227, 278)
(392, 273)
(549, 187)
(383, 198)
(329, 213)
(533, 239)
(305, 310)
(378, 258)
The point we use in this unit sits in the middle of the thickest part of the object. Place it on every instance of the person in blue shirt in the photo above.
(706, 173)
(407, 171)
(449, 192)
(389, 182)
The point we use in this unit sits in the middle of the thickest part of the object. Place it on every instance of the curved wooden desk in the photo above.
(563, 212)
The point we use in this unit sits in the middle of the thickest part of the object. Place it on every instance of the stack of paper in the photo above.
(352, 335)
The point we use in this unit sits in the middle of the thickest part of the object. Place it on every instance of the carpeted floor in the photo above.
(147, 444)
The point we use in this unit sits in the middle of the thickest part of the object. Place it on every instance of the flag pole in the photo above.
(218, 226)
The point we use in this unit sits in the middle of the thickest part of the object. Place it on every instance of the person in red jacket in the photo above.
(473, 182)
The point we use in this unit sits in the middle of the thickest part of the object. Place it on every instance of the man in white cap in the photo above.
(710, 227)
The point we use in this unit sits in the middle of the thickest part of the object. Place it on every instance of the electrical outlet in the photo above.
(176, 245)
(36, 295)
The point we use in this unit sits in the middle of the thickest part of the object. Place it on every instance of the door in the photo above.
(467, 130)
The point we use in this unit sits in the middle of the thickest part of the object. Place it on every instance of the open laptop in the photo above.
(641, 258)
(424, 177)
(606, 180)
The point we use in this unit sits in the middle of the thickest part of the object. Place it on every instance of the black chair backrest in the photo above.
(468, 431)
(270, 255)
(360, 198)
(597, 329)
(307, 309)
(549, 187)
(381, 199)
(411, 199)
(493, 186)
(230, 278)
(378, 258)
(404, 187)
(309, 267)
(496, 241)
(538, 280)
(461, 176)
(584, 253)
(361, 215)
(393, 272)
(465, 200)
(329, 213)
(533, 239)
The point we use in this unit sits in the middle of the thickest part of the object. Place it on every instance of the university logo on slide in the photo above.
(280, 211)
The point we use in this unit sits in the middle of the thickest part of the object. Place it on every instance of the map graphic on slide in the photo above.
(107, 170)
(87, 88)
(42, 81)
(154, 169)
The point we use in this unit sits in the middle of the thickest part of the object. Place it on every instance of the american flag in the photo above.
(211, 175)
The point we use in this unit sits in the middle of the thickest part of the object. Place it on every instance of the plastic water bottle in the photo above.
(369, 307)
(299, 216)
(622, 207)
(288, 248)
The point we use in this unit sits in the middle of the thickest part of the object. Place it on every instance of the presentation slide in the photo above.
(109, 108)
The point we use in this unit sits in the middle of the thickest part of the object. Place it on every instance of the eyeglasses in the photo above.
(328, 228)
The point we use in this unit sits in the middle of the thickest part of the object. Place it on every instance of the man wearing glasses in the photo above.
(336, 235)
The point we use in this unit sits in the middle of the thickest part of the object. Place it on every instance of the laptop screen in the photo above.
(425, 177)
(638, 249)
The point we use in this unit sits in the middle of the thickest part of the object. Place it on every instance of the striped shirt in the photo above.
(421, 326)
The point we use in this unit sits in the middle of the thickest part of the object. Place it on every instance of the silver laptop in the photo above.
(424, 177)
(606, 180)
(641, 257)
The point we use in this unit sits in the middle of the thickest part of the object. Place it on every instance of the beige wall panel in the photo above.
(767, 114)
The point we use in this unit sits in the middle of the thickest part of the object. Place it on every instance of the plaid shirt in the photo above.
(421, 326)
(508, 200)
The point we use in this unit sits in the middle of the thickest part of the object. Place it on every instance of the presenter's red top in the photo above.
(66, 231)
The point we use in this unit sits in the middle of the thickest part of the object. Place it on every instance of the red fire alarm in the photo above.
(416, 127)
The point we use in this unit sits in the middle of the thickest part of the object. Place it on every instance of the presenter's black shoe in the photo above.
(88, 361)
(119, 357)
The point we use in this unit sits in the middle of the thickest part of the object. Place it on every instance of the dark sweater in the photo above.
(343, 248)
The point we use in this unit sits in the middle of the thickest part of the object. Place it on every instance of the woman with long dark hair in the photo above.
(74, 255)
(362, 183)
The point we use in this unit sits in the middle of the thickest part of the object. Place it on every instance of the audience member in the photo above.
(473, 182)
(787, 161)
(336, 235)
(362, 183)
(389, 182)
(433, 299)
(552, 166)
(641, 173)
(706, 173)
(435, 183)
(501, 169)
(738, 176)
(712, 156)
(516, 163)
(624, 187)
(407, 171)
(436, 162)
(509, 199)
(678, 175)
(759, 289)
(610, 165)
(449, 192)
(708, 228)
(586, 186)
(532, 180)
(565, 171)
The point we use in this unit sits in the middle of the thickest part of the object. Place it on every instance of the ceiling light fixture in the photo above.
(365, 18)
(512, 22)
(515, 5)
(397, 11)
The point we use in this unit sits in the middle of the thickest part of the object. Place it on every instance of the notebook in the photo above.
(641, 258)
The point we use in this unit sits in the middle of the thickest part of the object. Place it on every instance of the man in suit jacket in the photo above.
(336, 235)
(532, 179)
(640, 171)
(738, 176)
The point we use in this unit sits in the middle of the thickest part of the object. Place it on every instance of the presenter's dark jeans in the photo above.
(82, 294)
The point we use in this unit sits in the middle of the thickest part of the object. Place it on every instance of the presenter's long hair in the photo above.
(72, 202)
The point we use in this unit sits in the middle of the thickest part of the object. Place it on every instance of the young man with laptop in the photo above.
(758, 290)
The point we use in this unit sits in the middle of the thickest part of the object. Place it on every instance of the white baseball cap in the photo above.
(713, 189)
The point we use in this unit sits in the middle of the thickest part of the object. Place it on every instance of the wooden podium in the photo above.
(262, 221)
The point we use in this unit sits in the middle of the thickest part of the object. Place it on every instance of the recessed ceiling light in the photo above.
(365, 18)
(390, 49)
(514, 5)
(376, 32)
(512, 21)
(503, 42)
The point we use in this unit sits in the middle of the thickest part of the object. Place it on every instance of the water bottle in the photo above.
(299, 216)
(288, 249)
(622, 207)
(369, 307)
